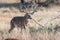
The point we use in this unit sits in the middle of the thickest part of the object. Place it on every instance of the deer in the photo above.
(21, 21)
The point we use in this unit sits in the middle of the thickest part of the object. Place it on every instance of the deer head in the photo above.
(27, 16)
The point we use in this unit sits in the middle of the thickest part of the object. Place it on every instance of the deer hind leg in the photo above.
(12, 27)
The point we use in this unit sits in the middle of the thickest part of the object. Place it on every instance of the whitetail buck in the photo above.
(21, 21)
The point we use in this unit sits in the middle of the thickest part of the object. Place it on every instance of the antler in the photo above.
(33, 8)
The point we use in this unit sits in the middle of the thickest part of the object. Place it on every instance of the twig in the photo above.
(37, 22)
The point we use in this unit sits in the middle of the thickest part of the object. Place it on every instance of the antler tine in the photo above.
(34, 9)
(25, 11)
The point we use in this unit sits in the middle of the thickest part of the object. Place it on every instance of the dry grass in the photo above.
(44, 16)
(9, 1)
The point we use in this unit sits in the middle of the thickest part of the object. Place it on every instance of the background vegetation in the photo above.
(47, 15)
